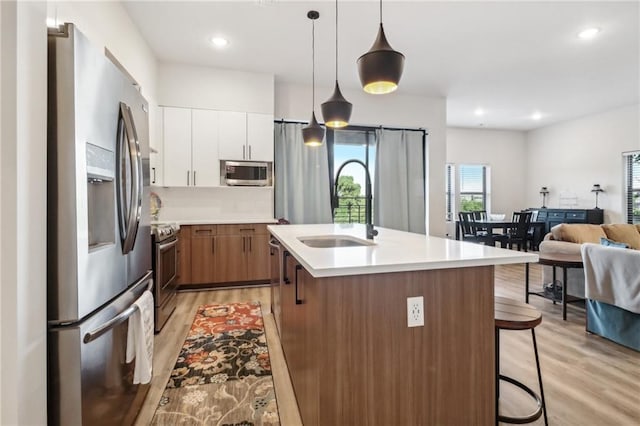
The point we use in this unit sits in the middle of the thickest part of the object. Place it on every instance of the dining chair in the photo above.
(467, 226)
(519, 234)
(480, 215)
(531, 232)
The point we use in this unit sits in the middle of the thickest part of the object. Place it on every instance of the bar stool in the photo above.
(511, 314)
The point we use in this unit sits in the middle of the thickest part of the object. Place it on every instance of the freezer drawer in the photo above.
(89, 381)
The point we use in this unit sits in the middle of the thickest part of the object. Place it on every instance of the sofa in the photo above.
(612, 276)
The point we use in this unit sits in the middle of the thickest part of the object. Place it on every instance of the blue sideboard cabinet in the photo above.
(553, 217)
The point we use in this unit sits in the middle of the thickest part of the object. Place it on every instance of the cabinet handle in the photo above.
(285, 279)
(194, 178)
(249, 238)
(208, 231)
(298, 301)
(249, 152)
(243, 149)
(243, 244)
(213, 245)
(188, 177)
(247, 229)
(154, 174)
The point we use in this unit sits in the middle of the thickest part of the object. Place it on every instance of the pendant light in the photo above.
(336, 111)
(313, 134)
(381, 67)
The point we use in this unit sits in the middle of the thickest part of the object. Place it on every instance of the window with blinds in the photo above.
(466, 190)
(473, 188)
(632, 184)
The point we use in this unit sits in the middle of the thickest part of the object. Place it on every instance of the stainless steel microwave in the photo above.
(246, 173)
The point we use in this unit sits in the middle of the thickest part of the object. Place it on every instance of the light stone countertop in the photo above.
(394, 251)
(213, 221)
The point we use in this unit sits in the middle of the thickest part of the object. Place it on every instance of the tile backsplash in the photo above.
(215, 203)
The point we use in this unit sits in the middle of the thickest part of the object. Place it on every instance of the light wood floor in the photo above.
(588, 380)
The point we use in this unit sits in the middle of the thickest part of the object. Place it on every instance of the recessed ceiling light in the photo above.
(588, 33)
(536, 116)
(479, 111)
(220, 41)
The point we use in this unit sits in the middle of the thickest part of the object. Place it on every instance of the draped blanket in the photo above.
(612, 275)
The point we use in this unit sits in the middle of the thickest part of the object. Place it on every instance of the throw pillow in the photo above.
(579, 233)
(609, 243)
(623, 233)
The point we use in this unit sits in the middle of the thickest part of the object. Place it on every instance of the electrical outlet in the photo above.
(415, 311)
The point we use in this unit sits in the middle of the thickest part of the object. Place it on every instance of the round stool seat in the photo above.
(512, 314)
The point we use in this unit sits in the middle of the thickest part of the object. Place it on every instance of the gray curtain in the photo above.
(301, 177)
(399, 201)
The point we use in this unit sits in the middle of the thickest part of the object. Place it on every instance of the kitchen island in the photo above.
(342, 315)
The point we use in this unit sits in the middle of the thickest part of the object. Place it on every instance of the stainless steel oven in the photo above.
(165, 268)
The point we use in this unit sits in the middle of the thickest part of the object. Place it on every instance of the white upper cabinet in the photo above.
(260, 136)
(190, 147)
(177, 146)
(204, 145)
(156, 155)
(195, 140)
(245, 136)
(232, 139)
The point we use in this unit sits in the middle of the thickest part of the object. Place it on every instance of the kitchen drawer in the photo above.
(581, 216)
(243, 229)
(555, 215)
(203, 231)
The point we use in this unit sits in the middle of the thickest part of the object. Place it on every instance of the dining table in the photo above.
(505, 225)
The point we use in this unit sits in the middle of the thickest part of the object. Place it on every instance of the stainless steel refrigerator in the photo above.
(98, 236)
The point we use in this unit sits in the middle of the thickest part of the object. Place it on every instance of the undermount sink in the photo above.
(332, 241)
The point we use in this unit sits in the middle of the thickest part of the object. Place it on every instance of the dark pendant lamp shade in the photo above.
(381, 67)
(313, 134)
(336, 111)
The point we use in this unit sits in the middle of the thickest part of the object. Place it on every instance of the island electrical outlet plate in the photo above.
(415, 311)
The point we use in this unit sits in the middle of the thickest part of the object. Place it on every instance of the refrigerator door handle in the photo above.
(130, 209)
(120, 318)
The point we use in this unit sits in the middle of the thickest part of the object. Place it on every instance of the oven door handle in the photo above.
(165, 246)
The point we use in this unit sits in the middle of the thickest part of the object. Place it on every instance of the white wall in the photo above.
(293, 102)
(223, 203)
(211, 88)
(572, 156)
(23, 216)
(1, 223)
(504, 152)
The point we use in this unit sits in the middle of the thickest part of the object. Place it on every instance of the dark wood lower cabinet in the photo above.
(221, 255)
(184, 255)
(353, 360)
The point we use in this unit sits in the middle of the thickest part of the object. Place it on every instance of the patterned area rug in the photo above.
(223, 375)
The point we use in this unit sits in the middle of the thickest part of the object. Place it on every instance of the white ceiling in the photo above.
(509, 58)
